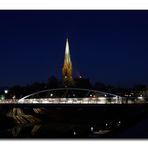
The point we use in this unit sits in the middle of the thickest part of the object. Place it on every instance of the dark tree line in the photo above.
(20, 91)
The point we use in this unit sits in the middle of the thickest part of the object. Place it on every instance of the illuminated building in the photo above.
(67, 67)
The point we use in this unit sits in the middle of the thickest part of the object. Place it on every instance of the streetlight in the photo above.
(6, 91)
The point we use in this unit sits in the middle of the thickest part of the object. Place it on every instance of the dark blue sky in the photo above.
(106, 46)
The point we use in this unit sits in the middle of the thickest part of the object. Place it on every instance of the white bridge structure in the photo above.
(70, 96)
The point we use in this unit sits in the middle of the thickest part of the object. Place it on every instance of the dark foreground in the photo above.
(73, 121)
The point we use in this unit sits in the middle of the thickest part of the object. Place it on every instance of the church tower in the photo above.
(67, 67)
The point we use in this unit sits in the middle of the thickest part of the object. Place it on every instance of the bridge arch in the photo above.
(70, 95)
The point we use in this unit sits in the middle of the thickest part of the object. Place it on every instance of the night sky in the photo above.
(106, 46)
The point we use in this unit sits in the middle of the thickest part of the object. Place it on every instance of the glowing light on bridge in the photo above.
(75, 96)
(71, 96)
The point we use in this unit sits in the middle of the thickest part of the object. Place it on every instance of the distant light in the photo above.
(45, 102)
(2, 97)
(90, 95)
(51, 95)
(102, 98)
(141, 98)
(74, 133)
(80, 77)
(105, 95)
(106, 124)
(35, 101)
(91, 129)
(6, 91)
(119, 123)
(14, 97)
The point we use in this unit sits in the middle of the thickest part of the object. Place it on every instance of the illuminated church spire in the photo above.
(67, 66)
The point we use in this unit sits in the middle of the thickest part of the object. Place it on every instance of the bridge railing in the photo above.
(99, 100)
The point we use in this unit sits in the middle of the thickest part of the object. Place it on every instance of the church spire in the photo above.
(67, 66)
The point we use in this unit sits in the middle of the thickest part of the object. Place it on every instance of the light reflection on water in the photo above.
(56, 130)
(45, 123)
(18, 131)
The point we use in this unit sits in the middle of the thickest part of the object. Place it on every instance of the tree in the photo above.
(82, 83)
(99, 86)
(52, 82)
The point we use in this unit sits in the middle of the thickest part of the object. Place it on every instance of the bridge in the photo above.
(71, 96)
